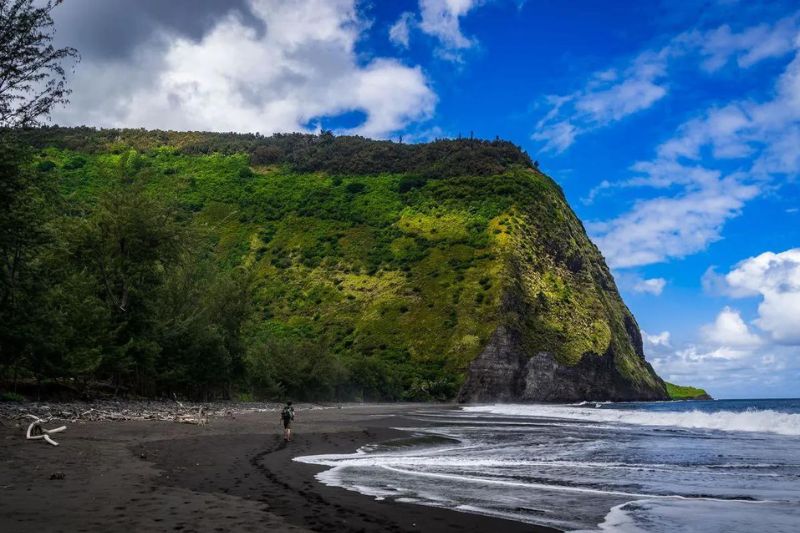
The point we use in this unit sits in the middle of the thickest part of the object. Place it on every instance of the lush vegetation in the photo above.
(160, 263)
(679, 392)
(347, 155)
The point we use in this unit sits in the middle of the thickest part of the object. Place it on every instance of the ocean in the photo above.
(704, 466)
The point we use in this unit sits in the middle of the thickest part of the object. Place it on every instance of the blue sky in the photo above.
(673, 127)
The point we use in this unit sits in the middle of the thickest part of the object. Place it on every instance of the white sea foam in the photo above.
(766, 421)
(703, 516)
(476, 463)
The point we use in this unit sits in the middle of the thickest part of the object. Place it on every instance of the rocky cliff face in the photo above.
(564, 333)
(504, 372)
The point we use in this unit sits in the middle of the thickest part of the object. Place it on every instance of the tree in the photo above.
(32, 78)
(128, 243)
(26, 199)
(200, 314)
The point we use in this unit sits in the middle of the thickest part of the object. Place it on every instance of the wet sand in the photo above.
(235, 474)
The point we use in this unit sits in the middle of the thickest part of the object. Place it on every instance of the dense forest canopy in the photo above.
(303, 152)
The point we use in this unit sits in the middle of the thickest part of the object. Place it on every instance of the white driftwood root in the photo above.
(201, 419)
(36, 426)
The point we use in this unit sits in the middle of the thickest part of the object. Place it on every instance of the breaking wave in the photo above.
(752, 420)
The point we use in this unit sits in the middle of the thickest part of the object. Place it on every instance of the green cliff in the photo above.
(681, 392)
(360, 269)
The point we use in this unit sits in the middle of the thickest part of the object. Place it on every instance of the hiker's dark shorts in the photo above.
(287, 423)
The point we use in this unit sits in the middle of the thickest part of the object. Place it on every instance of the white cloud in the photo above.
(635, 283)
(610, 99)
(729, 330)
(749, 46)
(713, 283)
(441, 19)
(652, 286)
(399, 31)
(661, 339)
(762, 370)
(775, 277)
(609, 96)
(303, 66)
(733, 354)
(766, 132)
(719, 127)
(663, 173)
(665, 227)
(763, 135)
(557, 136)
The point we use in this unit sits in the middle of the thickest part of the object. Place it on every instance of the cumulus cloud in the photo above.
(729, 353)
(766, 369)
(113, 29)
(296, 64)
(729, 330)
(729, 371)
(775, 277)
(727, 359)
(732, 354)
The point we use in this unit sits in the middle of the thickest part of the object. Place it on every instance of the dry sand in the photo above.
(235, 474)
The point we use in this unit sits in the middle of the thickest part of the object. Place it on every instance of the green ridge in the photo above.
(680, 392)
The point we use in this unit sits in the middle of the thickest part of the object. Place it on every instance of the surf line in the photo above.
(569, 489)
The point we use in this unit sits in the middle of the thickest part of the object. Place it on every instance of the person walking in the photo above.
(287, 416)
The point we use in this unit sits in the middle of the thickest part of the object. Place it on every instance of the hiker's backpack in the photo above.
(286, 414)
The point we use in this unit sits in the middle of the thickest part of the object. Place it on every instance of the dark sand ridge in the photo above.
(235, 474)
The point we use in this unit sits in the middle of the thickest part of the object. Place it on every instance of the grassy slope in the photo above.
(402, 274)
(679, 392)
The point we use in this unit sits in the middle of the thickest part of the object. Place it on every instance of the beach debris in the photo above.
(113, 410)
(201, 419)
(57, 475)
(36, 431)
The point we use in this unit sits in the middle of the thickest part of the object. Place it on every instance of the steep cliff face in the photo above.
(504, 372)
(564, 333)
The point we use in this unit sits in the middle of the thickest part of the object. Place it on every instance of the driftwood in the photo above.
(36, 431)
(120, 410)
(201, 419)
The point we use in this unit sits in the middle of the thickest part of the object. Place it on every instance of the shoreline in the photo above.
(235, 473)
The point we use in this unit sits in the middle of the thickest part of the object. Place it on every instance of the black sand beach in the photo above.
(235, 474)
